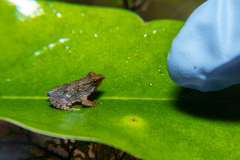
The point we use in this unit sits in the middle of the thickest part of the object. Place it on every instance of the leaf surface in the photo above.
(142, 110)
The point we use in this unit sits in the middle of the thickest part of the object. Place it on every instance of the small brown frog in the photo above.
(62, 97)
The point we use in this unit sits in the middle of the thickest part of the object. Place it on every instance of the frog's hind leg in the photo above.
(61, 103)
(66, 107)
(67, 103)
(89, 103)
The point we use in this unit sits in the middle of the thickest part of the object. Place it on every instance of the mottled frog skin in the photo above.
(63, 97)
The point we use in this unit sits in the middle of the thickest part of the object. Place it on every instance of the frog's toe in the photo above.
(65, 108)
(75, 109)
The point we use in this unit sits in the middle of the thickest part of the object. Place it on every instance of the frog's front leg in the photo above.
(86, 102)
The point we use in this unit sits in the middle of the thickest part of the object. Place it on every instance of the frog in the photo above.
(63, 97)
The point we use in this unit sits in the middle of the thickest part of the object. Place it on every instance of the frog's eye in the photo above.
(95, 81)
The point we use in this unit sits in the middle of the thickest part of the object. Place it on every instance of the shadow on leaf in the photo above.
(221, 105)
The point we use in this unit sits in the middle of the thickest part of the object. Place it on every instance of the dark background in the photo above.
(150, 9)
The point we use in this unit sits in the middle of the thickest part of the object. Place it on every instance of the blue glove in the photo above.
(205, 55)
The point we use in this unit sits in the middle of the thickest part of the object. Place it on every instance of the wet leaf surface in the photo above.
(142, 112)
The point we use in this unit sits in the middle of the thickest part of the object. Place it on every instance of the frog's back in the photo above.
(58, 90)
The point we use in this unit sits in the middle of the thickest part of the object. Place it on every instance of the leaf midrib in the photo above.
(118, 98)
(121, 98)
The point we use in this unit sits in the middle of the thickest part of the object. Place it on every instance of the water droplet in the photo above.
(142, 77)
(66, 47)
(98, 55)
(110, 29)
(51, 45)
(136, 54)
(36, 53)
(58, 14)
(81, 55)
(72, 31)
(80, 31)
(159, 70)
(23, 81)
(145, 35)
(61, 40)
(118, 35)
(128, 57)
(65, 24)
(33, 64)
(117, 26)
(26, 9)
(125, 76)
(164, 28)
(150, 84)
(95, 35)
(154, 31)
(138, 84)
(162, 74)
(126, 61)
(69, 51)
(137, 46)
(136, 50)
(7, 80)
(54, 10)
(82, 14)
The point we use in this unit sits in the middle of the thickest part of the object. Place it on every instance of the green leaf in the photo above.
(142, 110)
